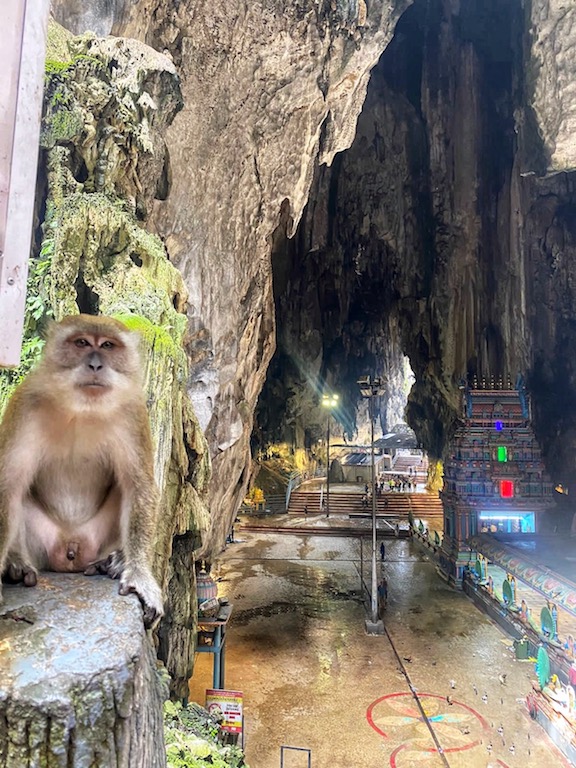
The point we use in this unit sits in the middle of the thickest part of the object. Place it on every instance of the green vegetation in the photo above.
(38, 312)
(155, 336)
(52, 67)
(193, 739)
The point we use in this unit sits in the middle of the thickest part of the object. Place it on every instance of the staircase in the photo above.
(426, 505)
(403, 464)
(350, 503)
(273, 504)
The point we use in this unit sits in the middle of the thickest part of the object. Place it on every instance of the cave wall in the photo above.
(268, 88)
(434, 228)
(406, 245)
(550, 80)
(444, 232)
(103, 157)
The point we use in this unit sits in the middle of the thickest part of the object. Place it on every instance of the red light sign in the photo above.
(507, 489)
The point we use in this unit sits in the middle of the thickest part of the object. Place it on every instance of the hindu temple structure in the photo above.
(494, 477)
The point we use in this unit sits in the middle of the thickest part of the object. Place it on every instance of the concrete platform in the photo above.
(425, 694)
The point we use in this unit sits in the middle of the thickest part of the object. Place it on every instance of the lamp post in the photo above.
(372, 388)
(329, 402)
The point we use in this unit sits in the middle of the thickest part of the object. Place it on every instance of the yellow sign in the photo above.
(228, 706)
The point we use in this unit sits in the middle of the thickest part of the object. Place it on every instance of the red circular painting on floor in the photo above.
(397, 716)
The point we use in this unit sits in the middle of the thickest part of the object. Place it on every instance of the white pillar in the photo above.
(21, 91)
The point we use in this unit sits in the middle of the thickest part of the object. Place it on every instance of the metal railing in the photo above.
(296, 479)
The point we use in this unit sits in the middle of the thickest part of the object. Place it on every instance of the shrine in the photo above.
(494, 477)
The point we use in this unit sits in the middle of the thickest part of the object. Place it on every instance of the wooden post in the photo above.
(21, 90)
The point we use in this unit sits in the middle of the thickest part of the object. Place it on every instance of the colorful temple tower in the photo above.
(494, 477)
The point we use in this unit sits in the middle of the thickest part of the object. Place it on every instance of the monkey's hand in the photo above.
(140, 580)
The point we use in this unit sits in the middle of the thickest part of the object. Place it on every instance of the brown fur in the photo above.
(77, 490)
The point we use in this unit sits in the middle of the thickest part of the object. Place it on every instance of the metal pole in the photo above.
(374, 585)
(328, 465)
(361, 568)
(373, 388)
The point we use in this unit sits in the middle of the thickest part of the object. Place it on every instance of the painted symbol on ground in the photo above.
(398, 717)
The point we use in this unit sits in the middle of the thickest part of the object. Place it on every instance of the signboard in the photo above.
(229, 705)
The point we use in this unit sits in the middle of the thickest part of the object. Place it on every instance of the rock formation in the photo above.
(267, 91)
(79, 683)
(445, 232)
(438, 225)
(104, 161)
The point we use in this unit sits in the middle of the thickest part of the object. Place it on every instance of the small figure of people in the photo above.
(382, 550)
(306, 509)
(382, 596)
(513, 588)
(490, 585)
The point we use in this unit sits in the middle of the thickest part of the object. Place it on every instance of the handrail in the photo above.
(294, 481)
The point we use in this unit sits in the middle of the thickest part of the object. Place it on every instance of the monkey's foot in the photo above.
(140, 581)
(18, 571)
(111, 566)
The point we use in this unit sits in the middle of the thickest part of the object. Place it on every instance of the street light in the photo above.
(372, 388)
(329, 402)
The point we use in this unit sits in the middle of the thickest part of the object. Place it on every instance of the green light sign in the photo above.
(502, 453)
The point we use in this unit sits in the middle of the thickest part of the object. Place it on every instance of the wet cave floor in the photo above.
(311, 677)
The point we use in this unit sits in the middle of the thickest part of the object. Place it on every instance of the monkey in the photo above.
(77, 487)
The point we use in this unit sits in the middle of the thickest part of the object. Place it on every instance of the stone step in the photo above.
(351, 503)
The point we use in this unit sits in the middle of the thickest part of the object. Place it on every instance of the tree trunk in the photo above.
(79, 687)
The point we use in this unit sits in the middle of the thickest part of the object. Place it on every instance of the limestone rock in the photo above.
(79, 684)
(108, 105)
(268, 89)
(425, 234)
(552, 79)
(429, 237)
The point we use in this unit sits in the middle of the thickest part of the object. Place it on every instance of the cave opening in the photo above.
(397, 266)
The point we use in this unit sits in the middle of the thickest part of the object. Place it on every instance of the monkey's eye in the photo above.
(107, 345)
(82, 343)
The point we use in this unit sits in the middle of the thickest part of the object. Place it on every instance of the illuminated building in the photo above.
(494, 477)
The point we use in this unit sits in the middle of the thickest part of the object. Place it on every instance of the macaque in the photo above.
(77, 490)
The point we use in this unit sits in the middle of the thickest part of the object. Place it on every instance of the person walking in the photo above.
(382, 550)
(306, 510)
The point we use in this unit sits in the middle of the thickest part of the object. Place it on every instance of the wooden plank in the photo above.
(12, 52)
(22, 173)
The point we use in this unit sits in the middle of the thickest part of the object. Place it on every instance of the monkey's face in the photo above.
(95, 357)
(95, 362)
